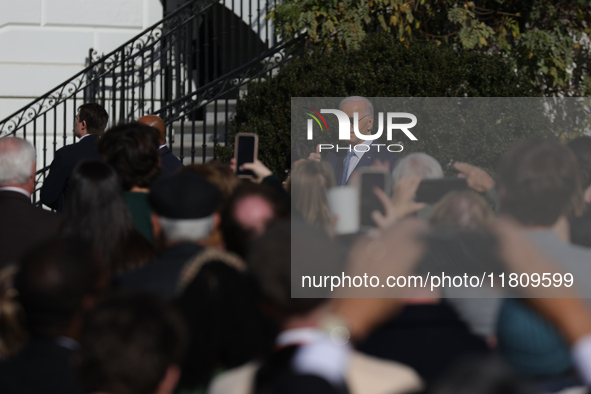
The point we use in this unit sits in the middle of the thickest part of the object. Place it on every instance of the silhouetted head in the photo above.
(131, 345)
(57, 282)
(132, 150)
(537, 181)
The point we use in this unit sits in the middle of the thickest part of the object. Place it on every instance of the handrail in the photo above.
(203, 52)
(264, 63)
(8, 128)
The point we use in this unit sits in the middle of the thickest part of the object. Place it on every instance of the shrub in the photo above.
(382, 67)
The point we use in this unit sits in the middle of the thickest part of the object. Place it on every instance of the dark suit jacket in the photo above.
(23, 225)
(336, 160)
(429, 338)
(275, 376)
(169, 162)
(54, 189)
(162, 275)
(42, 366)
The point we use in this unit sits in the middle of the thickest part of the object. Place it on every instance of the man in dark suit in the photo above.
(364, 153)
(169, 162)
(184, 214)
(89, 125)
(23, 224)
(58, 283)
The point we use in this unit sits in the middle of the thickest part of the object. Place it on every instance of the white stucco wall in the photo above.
(44, 42)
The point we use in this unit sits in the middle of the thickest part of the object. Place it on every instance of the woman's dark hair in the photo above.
(226, 329)
(132, 150)
(128, 343)
(96, 212)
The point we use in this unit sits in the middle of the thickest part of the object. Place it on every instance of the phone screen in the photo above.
(432, 190)
(369, 202)
(246, 144)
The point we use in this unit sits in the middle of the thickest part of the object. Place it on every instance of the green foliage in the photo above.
(548, 41)
(382, 67)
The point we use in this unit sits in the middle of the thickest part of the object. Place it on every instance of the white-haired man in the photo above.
(345, 162)
(23, 224)
(184, 214)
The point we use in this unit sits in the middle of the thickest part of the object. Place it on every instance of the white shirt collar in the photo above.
(161, 146)
(360, 153)
(15, 189)
(68, 343)
(300, 336)
(84, 136)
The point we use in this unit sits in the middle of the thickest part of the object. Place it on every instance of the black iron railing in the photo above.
(189, 68)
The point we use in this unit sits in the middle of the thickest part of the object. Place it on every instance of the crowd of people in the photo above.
(151, 277)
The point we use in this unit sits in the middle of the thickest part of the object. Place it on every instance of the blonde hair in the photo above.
(463, 210)
(217, 173)
(310, 181)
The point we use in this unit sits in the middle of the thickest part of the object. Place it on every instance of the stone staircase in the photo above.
(189, 134)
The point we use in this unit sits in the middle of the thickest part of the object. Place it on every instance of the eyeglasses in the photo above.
(351, 120)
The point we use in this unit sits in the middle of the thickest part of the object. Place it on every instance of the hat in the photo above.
(184, 195)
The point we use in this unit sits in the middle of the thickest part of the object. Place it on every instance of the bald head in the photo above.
(157, 123)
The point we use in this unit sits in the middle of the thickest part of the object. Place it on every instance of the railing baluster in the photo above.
(114, 93)
(122, 91)
(103, 91)
(215, 126)
(250, 27)
(193, 151)
(224, 39)
(65, 122)
(54, 130)
(44, 140)
(258, 26)
(182, 131)
(132, 112)
(214, 42)
(188, 65)
(204, 134)
(233, 36)
(152, 79)
(197, 56)
(267, 25)
(75, 112)
(142, 90)
(206, 47)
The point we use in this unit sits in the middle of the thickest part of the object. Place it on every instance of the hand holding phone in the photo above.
(260, 170)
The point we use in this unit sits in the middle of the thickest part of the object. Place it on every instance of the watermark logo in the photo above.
(315, 117)
(345, 124)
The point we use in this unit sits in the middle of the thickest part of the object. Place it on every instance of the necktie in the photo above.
(346, 162)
